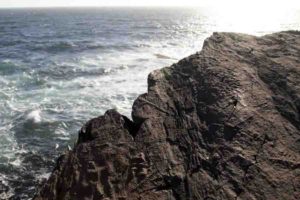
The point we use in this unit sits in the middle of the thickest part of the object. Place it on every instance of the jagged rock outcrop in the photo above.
(221, 124)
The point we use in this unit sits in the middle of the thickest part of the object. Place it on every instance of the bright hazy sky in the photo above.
(216, 3)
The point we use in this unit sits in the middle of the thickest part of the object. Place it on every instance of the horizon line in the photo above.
(110, 6)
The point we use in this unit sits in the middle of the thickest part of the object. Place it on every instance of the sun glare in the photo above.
(251, 19)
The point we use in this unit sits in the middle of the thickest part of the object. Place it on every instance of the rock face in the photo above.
(223, 123)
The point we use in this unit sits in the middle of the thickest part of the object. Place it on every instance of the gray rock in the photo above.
(221, 124)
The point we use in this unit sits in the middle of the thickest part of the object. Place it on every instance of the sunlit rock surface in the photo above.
(220, 124)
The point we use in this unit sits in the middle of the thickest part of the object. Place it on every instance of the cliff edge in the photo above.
(223, 123)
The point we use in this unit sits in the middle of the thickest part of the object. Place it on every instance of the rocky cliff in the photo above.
(223, 123)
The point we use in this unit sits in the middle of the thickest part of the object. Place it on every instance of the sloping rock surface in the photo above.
(223, 123)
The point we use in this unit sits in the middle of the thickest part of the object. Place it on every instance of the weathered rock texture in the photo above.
(220, 124)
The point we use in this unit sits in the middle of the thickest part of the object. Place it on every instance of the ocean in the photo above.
(62, 67)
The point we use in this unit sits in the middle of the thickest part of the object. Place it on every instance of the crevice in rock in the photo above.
(187, 188)
(238, 189)
(260, 148)
(171, 183)
(84, 134)
(131, 126)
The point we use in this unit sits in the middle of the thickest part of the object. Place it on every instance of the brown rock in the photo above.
(221, 124)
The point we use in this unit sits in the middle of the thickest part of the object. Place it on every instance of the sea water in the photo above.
(62, 67)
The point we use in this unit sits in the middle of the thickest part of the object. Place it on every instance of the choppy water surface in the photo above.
(61, 67)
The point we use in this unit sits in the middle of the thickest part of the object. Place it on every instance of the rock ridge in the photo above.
(223, 123)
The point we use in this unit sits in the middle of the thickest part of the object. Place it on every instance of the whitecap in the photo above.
(61, 131)
(43, 176)
(17, 162)
(22, 150)
(5, 194)
(64, 125)
(34, 116)
(108, 70)
(63, 138)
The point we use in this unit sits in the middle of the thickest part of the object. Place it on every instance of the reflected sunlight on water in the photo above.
(253, 20)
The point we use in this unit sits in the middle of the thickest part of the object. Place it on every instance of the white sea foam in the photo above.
(17, 162)
(34, 116)
(108, 70)
(10, 193)
(61, 131)
(43, 176)
(21, 149)
(63, 138)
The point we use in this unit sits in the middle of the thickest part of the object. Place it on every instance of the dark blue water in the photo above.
(61, 67)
